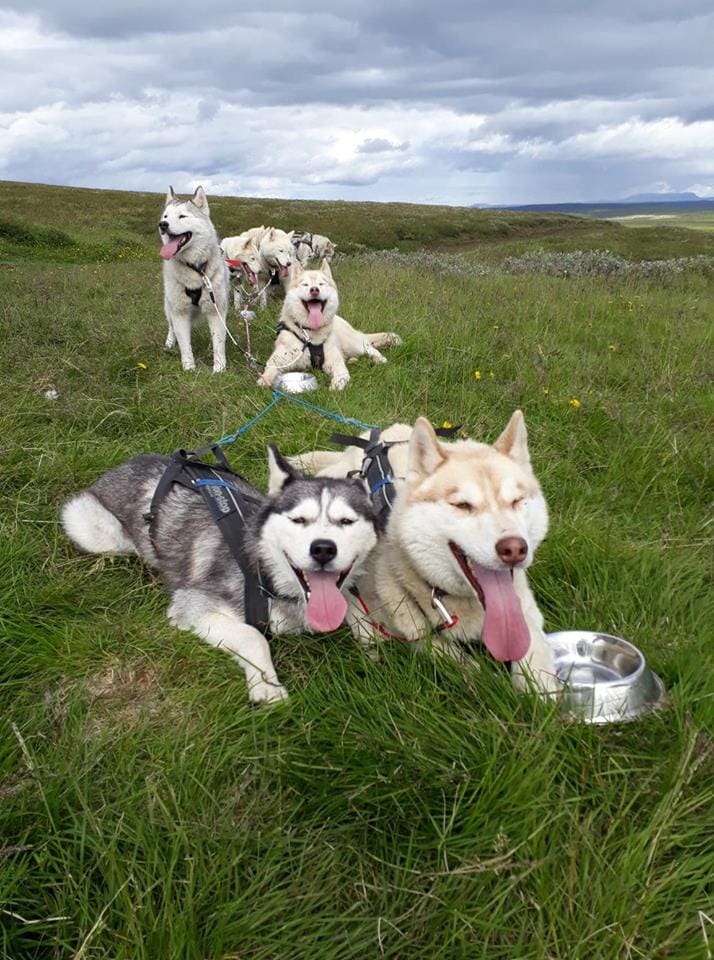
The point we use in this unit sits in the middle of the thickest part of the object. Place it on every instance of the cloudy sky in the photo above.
(457, 101)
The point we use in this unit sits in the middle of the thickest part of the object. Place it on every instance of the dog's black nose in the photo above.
(164, 226)
(323, 551)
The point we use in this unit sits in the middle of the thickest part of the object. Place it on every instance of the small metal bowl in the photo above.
(605, 678)
(296, 382)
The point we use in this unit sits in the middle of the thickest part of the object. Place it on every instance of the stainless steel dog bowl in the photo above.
(296, 382)
(605, 678)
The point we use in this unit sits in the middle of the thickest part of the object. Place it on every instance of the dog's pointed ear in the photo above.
(200, 200)
(280, 472)
(296, 272)
(170, 195)
(514, 440)
(325, 268)
(425, 451)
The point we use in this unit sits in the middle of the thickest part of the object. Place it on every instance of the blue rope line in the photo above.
(279, 395)
(232, 437)
(350, 421)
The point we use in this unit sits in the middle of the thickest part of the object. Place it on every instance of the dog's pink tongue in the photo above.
(284, 271)
(314, 314)
(505, 632)
(326, 607)
(171, 248)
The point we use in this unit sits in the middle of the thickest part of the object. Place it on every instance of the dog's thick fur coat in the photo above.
(309, 313)
(305, 542)
(195, 276)
(467, 518)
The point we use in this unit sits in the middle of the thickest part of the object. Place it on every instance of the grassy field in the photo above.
(400, 809)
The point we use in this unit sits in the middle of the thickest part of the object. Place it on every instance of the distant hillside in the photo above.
(623, 209)
(663, 198)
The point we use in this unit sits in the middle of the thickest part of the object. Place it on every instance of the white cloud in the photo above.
(458, 104)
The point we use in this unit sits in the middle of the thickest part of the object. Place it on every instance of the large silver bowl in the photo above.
(605, 678)
(295, 382)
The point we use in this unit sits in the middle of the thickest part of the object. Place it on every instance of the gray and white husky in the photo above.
(195, 276)
(302, 546)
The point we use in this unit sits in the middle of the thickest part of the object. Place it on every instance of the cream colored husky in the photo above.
(311, 334)
(465, 522)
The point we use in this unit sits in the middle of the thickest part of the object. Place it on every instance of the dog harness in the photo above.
(317, 350)
(376, 468)
(194, 293)
(299, 237)
(229, 507)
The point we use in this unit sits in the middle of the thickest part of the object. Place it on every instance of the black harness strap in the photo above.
(193, 295)
(376, 470)
(317, 350)
(229, 506)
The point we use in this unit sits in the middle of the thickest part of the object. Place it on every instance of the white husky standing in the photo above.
(195, 276)
(311, 334)
(463, 521)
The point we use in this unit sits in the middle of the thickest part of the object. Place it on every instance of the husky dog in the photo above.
(311, 247)
(195, 276)
(276, 250)
(310, 333)
(300, 547)
(247, 268)
(466, 519)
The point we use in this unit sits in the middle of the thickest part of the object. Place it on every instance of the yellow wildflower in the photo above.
(142, 366)
(574, 403)
(491, 375)
(546, 391)
(477, 374)
(611, 346)
(446, 425)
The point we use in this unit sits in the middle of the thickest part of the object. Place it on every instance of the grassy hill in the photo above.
(413, 807)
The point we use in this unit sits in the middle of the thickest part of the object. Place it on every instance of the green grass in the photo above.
(408, 808)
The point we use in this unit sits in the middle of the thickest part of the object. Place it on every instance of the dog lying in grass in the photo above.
(462, 522)
(311, 334)
(292, 554)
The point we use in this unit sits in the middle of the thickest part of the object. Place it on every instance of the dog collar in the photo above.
(448, 620)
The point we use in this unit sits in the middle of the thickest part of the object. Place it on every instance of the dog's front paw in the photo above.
(339, 383)
(188, 365)
(263, 382)
(264, 692)
(395, 340)
(219, 366)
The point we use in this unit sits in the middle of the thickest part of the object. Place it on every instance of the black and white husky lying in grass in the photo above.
(298, 549)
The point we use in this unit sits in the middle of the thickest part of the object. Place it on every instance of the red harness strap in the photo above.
(450, 620)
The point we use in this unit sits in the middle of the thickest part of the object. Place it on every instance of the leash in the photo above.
(278, 395)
